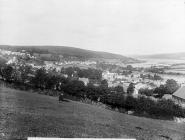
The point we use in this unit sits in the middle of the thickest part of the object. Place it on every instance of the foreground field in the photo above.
(24, 114)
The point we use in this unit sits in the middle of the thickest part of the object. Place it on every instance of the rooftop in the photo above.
(180, 93)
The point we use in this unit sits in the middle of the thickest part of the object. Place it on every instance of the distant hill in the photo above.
(176, 56)
(72, 51)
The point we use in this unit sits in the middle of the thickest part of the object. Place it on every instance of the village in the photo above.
(92, 69)
(145, 80)
(141, 78)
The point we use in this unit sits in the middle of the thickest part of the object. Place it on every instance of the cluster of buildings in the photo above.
(6, 52)
(136, 77)
(13, 57)
(77, 62)
(12, 53)
(114, 79)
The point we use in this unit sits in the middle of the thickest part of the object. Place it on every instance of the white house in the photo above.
(84, 80)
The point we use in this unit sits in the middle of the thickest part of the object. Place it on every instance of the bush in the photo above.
(146, 91)
(142, 105)
(75, 88)
(130, 103)
(115, 100)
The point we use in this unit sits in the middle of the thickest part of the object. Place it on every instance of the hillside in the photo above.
(175, 56)
(71, 51)
(26, 114)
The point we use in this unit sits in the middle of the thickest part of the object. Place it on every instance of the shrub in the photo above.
(146, 91)
(141, 105)
(130, 103)
(75, 88)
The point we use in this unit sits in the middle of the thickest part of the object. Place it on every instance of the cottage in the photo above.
(84, 80)
(167, 96)
(179, 96)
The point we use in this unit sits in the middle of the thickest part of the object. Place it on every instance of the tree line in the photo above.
(116, 97)
(168, 88)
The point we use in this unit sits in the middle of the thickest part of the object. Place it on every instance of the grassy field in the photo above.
(24, 114)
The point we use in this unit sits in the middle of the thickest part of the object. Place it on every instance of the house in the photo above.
(167, 96)
(95, 82)
(125, 85)
(84, 80)
(179, 96)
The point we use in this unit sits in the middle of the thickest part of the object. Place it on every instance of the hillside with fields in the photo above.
(72, 52)
(171, 56)
(26, 114)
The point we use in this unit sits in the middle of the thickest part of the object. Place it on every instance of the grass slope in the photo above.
(24, 114)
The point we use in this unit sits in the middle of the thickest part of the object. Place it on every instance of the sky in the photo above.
(117, 26)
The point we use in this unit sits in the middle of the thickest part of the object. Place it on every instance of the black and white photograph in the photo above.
(92, 69)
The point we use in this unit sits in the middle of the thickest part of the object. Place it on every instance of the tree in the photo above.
(130, 89)
(126, 72)
(39, 81)
(146, 91)
(16, 76)
(75, 88)
(51, 81)
(104, 83)
(2, 62)
(24, 71)
(129, 67)
(69, 71)
(7, 73)
(130, 103)
(160, 91)
(171, 86)
(157, 77)
(92, 92)
(119, 89)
